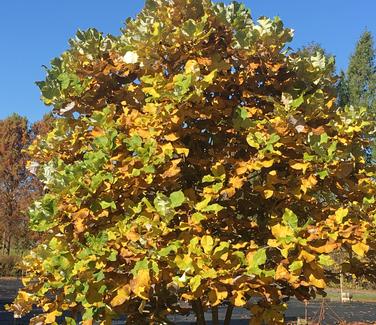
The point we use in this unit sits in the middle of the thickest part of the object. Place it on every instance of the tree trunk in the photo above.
(228, 316)
(3, 244)
(199, 310)
(215, 319)
(9, 241)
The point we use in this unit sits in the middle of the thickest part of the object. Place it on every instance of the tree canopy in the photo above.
(195, 158)
(17, 186)
(360, 85)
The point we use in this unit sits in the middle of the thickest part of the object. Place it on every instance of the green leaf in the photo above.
(213, 208)
(200, 206)
(112, 256)
(189, 28)
(324, 138)
(70, 321)
(294, 266)
(162, 204)
(259, 258)
(323, 174)
(107, 204)
(177, 199)
(208, 179)
(368, 200)
(274, 138)
(290, 219)
(325, 260)
(194, 283)
(88, 314)
(140, 265)
(296, 103)
(198, 217)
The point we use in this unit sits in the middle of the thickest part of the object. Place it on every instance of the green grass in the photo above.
(357, 295)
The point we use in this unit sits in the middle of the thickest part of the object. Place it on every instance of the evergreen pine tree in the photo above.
(361, 75)
(342, 90)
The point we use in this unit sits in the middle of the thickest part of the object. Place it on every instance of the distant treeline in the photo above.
(18, 187)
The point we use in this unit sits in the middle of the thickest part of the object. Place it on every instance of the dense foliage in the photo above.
(18, 188)
(361, 74)
(198, 159)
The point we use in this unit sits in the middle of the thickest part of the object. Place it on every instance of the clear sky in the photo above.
(33, 32)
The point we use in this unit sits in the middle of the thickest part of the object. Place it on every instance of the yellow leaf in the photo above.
(360, 249)
(171, 137)
(192, 66)
(173, 170)
(327, 248)
(79, 220)
(87, 322)
(209, 78)
(300, 166)
(304, 255)
(280, 231)
(242, 169)
(308, 183)
(268, 194)
(217, 295)
(140, 284)
(319, 283)
(281, 273)
(340, 214)
(51, 317)
(267, 163)
(132, 235)
(122, 295)
(207, 243)
(239, 299)
(182, 151)
(237, 182)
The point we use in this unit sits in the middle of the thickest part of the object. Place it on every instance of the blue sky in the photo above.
(33, 32)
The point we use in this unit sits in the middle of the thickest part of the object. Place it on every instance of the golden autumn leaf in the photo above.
(360, 249)
(122, 294)
(171, 137)
(173, 170)
(268, 193)
(238, 299)
(140, 284)
(51, 317)
(308, 183)
(217, 295)
(340, 214)
(300, 166)
(307, 257)
(182, 151)
(282, 273)
(207, 243)
(79, 220)
(280, 231)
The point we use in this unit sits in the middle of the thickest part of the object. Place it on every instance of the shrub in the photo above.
(196, 158)
(10, 265)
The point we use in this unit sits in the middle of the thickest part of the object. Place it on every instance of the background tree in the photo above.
(194, 159)
(343, 97)
(358, 86)
(361, 74)
(42, 127)
(14, 181)
(18, 187)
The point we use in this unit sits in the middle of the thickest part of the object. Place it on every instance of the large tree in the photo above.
(18, 187)
(14, 181)
(195, 159)
(361, 74)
